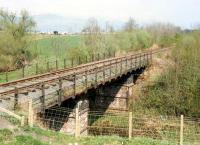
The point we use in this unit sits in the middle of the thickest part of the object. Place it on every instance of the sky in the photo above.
(185, 13)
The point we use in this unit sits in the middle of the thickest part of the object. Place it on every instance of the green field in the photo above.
(54, 46)
(48, 49)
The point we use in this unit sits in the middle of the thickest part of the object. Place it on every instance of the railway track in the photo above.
(21, 85)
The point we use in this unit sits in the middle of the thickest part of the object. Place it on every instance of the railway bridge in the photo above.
(105, 84)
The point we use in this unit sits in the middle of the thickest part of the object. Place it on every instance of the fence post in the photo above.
(121, 66)
(23, 71)
(48, 66)
(181, 131)
(126, 63)
(86, 60)
(16, 98)
(131, 62)
(130, 125)
(22, 121)
(43, 98)
(116, 67)
(64, 63)
(104, 55)
(96, 73)
(104, 73)
(60, 91)
(92, 57)
(86, 79)
(151, 57)
(7, 76)
(79, 60)
(72, 63)
(98, 56)
(135, 62)
(110, 72)
(74, 80)
(30, 113)
(56, 64)
(36, 68)
(77, 121)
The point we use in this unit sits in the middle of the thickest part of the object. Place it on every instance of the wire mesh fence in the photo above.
(119, 123)
(165, 128)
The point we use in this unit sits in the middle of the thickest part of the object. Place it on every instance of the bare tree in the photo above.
(93, 36)
(130, 25)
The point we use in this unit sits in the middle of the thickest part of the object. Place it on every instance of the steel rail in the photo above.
(77, 70)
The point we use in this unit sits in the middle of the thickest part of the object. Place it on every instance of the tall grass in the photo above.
(177, 91)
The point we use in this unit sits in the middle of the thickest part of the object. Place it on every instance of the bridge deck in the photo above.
(53, 88)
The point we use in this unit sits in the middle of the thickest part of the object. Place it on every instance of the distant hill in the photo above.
(51, 22)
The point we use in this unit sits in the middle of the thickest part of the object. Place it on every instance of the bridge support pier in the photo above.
(78, 119)
(114, 97)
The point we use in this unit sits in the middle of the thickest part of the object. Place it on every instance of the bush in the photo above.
(177, 92)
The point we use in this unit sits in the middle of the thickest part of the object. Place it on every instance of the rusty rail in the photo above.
(69, 72)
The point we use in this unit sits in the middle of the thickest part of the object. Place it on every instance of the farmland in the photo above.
(53, 47)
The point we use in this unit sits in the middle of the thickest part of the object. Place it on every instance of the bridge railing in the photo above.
(48, 66)
(88, 77)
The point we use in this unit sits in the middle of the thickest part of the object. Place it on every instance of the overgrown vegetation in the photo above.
(177, 91)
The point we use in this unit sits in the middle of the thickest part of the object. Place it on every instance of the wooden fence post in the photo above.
(135, 61)
(77, 121)
(7, 76)
(110, 72)
(126, 63)
(104, 73)
(92, 57)
(86, 79)
(48, 66)
(79, 60)
(96, 73)
(22, 121)
(43, 98)
(121, 66)
(56, 64)
(116, 67)
(30, 113)
(16, 98)
(181, 131)
(130, 127)
(114, 53)
(60, 91)
(131, 62)
(104, 55)
(36, 68)
(72, 62)
(86, 60)
(98, 56)
(23, 71)
(74, 80)
(64, 63)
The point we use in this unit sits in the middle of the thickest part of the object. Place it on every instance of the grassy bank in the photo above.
(177, 90)
(36, 136)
